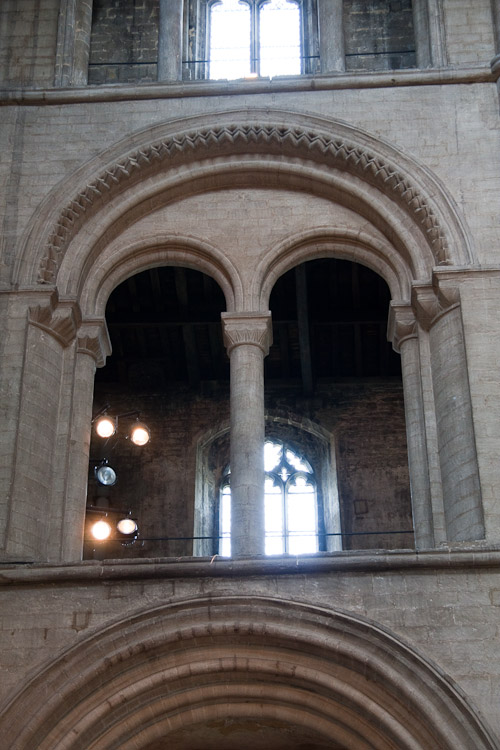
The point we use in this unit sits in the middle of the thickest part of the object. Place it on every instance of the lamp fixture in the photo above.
(111, 525)
(101, 530)
(105, 426)
(140, 434)
(105, 474)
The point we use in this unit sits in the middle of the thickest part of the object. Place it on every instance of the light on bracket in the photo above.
(101, 530)
(105, 474)
(140, 434)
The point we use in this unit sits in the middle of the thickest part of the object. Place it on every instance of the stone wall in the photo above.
(124, 41)
(379, 35)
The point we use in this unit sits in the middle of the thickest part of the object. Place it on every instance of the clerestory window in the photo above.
(254, 37)
(290, 503)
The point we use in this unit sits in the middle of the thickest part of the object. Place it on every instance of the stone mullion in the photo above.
(247, 338)
(331, 36)
(73, 42)
(170, 35)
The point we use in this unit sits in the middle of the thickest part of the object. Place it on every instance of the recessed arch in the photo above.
(124, 260)
(324, 242)
(191, 662)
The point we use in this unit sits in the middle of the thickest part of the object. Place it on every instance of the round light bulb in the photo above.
(101, 530)
(140, 434)
(105, 427)
(126, 526)
(106, 475)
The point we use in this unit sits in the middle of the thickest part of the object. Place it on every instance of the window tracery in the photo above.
(290, 503)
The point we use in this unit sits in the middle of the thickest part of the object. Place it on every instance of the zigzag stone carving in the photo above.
(240, 137)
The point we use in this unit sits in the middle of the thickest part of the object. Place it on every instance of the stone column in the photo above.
(403, 331)
(495, 9)
(438, 309)
(428, 28)
(93, 346)
(247, 337)
(170, 40)
(331, 36)
(73, 43)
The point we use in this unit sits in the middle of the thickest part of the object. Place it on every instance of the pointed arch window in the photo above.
(290, 503)
(255, 38)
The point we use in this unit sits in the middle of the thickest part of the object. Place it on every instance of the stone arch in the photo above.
(164, 162)
(245, 659)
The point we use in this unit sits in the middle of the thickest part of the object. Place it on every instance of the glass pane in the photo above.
(229, 40)
(273, 453)
(274, 545)
(225, 522)
(300, 464)
(279, 38)
(301, 545)
(273, 507)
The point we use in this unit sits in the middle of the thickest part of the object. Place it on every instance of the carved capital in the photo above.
(402, 324)
(93, 339)
(431, 301)
(251, 329)
(59, 319)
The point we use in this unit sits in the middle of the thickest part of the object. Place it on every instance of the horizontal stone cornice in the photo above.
(461, 557)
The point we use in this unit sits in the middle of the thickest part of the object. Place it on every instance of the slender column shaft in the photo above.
(495, 9)
(73, 43)
(331, 36)
(170, 40)
(417, 448)
(247, 337)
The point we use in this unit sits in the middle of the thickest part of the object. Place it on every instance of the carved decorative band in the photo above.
(247, 329)
(241, 138)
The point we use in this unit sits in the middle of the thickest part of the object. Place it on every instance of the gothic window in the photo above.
(290, 503)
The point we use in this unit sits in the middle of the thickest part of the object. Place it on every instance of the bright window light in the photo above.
(290, 504)
(230, 40)
(279, 42)
(250, 38)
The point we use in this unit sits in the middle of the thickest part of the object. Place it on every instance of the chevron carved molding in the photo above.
(241, 138)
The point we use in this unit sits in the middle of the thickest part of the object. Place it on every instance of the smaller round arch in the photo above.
(325, 242)
(255, 661)
(125, 260)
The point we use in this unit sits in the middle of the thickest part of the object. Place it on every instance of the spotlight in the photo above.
(101, 530)
(105, 427)
(105, 474)
(140, 434)
(127, 526)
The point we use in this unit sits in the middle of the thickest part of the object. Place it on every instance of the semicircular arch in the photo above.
(124, 174)
(192, 661)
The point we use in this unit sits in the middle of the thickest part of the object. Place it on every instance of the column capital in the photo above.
(431, 301)
(402, 324)
(251, 329)
(93, 339)
(59, 319)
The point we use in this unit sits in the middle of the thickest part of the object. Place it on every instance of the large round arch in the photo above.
(263, 148)
(264, 667)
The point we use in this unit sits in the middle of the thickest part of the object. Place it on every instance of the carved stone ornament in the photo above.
(402, 325)
(431, 301)
(253, 329)
(93, 339)
(336, 151)
(60, 321)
